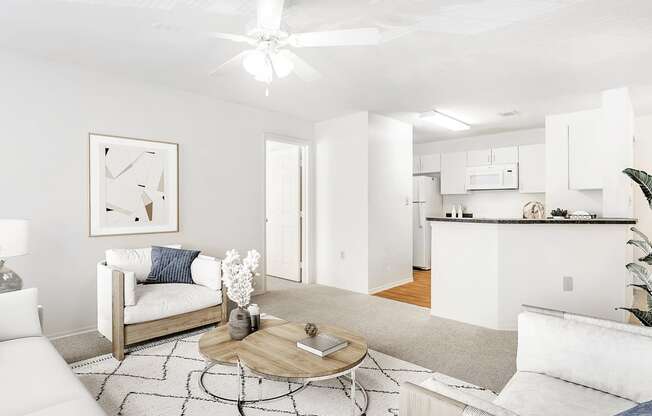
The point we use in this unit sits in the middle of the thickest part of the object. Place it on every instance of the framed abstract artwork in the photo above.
(133, 186)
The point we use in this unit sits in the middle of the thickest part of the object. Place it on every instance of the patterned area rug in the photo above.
(162, 379)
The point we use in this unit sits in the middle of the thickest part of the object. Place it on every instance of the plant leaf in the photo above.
(642, 245)
(642, 235)
(643, 180)
(644, 316)
(641, 272)
(647, 259)
(642, 287)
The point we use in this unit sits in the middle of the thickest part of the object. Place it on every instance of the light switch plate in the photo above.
(568, 283)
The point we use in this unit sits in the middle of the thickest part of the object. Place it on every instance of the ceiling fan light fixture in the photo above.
(444, 120)
(283, 66)
(255, 62)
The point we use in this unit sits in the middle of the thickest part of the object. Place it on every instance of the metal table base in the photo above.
(241, 403)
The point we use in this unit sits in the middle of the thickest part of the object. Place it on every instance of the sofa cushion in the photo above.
(137, 260)
(532, 394)
(643, 409)
(207, 271)
(171, 265)
(35, 380)
(169, 299)
(19, 315)
(606, 358)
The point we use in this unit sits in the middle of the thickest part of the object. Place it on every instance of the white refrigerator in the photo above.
(427, 202)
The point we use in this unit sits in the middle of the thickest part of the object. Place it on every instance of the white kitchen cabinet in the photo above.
(504, 155)
(532, 168)
(416, 165)
(478, 157)
(584, 151)
(431, 163)
(453, 173)
(495, 156)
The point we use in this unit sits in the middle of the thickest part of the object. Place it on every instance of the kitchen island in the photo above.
(484, 269)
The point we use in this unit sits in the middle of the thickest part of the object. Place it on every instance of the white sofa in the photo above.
(34, 379)
(567, 365)
(129, 311)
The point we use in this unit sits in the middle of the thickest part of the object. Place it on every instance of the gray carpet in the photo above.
(480, 356)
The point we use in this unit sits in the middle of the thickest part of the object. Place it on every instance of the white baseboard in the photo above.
(64, 334)
(390, 285)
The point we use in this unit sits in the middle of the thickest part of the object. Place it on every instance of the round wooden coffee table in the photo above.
(271, 353)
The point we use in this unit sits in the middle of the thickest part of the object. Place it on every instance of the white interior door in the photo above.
(283, 245)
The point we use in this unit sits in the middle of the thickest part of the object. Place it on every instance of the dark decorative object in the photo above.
(642, 242)
(559, 213)
(311, 329)
(254, 313)
(239, 324)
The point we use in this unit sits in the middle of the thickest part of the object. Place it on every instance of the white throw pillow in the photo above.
(207, 271)
(19, 312)
(137, 260)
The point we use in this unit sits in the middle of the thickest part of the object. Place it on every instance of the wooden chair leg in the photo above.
(118, 347)
(118, 316)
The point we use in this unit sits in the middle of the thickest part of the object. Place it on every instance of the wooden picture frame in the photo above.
(133, 186)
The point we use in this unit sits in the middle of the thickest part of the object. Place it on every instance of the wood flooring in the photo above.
(416, 292)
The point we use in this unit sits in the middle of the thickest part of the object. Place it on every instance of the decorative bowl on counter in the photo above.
(534, 210)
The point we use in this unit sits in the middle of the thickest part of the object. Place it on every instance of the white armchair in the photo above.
(129, 312)
(567, 365)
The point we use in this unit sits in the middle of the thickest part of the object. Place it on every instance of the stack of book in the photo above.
(322, 344)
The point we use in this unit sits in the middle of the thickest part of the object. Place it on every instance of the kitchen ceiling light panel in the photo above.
(445, 121)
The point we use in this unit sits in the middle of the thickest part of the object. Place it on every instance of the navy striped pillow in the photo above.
(171, 265)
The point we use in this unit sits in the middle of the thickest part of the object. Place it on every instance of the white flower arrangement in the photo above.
(238, 275)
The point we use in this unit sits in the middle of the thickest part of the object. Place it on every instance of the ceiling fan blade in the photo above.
(349, 37)
(231, 64)
(269, 14)
(218, 35)
(233, 37)
(303, 69)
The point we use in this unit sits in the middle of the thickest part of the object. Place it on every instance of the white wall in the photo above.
(643, 161)
(341, 202)
(390, 207)
(492, 204)
(483, 273)
(499, 204)
(364, 178)
(46, 113)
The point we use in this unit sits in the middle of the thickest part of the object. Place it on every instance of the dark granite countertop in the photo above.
(544, 221)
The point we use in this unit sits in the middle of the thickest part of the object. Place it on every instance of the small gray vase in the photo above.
(239, 324)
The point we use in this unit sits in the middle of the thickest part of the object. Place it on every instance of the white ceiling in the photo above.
(471, 59)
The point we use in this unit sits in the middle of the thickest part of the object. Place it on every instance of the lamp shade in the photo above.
(13, 238)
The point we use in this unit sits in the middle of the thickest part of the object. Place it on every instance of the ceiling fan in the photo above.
(270, 56)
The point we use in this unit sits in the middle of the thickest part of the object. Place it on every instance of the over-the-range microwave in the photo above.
(492, 177)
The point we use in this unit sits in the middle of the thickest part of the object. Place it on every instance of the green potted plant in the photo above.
(642, 242)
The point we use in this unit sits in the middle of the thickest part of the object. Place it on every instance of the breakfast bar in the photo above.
(484, 269)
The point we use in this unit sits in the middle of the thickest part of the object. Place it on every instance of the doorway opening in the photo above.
(286, 197)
